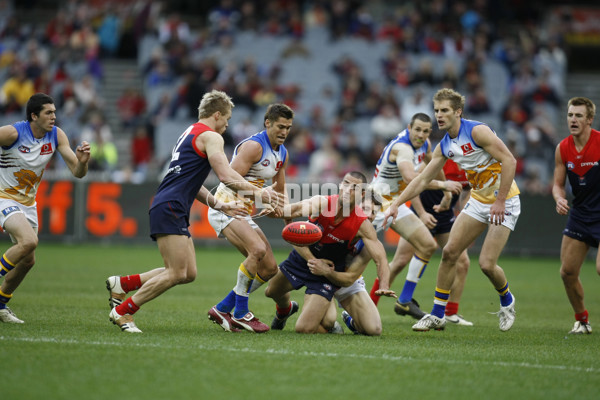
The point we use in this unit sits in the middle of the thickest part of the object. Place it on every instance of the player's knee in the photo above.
(301, 328)
(450, 255)
(257, 251)
(374, 330)
(568, 274)
(29, 245)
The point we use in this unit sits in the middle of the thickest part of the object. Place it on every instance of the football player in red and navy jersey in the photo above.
(341, 220)
(577, 158)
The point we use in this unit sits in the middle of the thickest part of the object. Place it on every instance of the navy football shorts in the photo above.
(584, 232)
(169, 218)
(297, 273)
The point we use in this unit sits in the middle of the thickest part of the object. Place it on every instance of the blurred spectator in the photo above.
(131, 105)
(477, 102)
(141, 151)
(95, 128)
(387, 124)
(109, 32)
(85, 92)
(324, 163)
(415, 103)
(16, 91)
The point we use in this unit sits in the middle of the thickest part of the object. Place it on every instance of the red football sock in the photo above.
(283, 311)
(451, 308)
(127, 307)
(583, 317)
(131, 282)
(375, 288)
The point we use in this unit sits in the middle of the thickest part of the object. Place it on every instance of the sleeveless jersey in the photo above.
(583, 171)
(187, 171)
(338, 240)
(482, 170)
(387, 180)
(22, 163)
(264, 169)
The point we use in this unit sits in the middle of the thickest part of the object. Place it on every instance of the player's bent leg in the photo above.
(364, 314)
(180, 267)
(313, 311)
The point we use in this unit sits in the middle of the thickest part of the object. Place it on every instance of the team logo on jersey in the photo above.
(570, 165)
(24, 149)
(265, 163)
(46, 149)
(450, 154)
(467, 149)
(420, 158)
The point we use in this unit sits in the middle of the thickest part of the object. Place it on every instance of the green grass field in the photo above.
(67, 349)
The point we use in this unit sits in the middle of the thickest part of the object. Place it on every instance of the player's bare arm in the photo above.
(420, 182)
(305, 208)
(78, 161)
(234, 209)
(377, 252)
(346, 278)
(211, 143)
(8, 135)
(558, 188)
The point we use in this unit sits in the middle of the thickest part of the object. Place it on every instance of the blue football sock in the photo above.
(227, 304)
(407, 292)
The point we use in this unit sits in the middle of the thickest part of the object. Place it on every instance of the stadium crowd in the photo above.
(354, 73)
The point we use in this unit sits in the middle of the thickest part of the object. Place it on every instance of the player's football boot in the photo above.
(429, 322)
(250, 323)
(6, 315)
(125, 322)
(279, 321)
(581, 328)
(411, 308)
(457, 319)
(507, 316)
(117, 294)
(222, 319)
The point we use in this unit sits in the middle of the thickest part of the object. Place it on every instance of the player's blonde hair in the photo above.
(214, 101)
(457, 100)
(584, 101)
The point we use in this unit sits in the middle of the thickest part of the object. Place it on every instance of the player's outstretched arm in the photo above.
(377, 252)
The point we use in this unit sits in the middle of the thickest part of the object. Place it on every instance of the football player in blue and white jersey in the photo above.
(27, 147)
(259, 158)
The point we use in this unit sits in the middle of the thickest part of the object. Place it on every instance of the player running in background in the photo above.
(439, 224)
(27, 147)
(397, 167)
(197, 151)
(341, 221)
(578, 158)
(494, 204)
(259, 158)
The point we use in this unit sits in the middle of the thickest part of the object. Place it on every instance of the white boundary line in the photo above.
(283, 352)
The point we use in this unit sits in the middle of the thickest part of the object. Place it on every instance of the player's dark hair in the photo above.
(421, 117)
(358, 175)
(276, 111)
(35, 104)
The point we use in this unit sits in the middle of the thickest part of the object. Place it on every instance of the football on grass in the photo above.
(302, 233)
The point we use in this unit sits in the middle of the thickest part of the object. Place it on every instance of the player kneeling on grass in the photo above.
(342, 222)
(360, 313)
